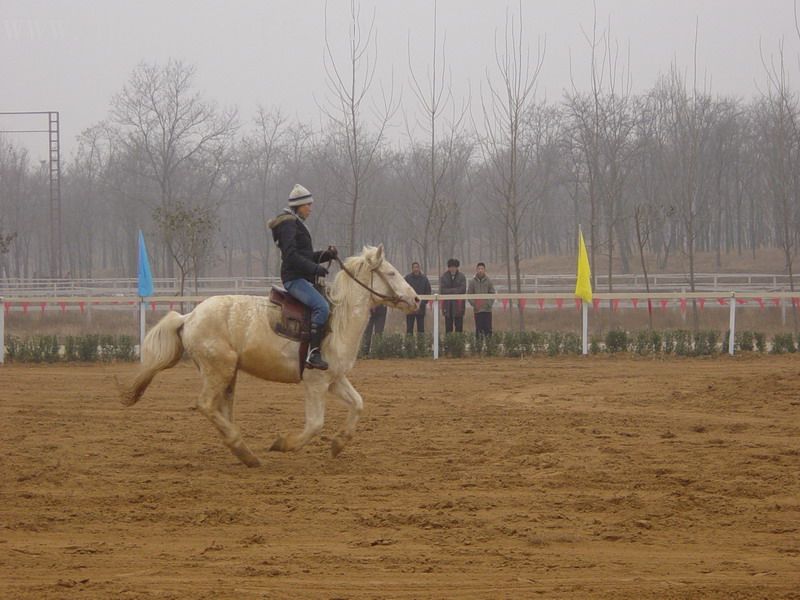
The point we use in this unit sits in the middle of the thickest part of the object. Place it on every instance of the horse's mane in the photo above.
(345, 293)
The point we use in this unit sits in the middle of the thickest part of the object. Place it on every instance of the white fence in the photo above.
(722, 299)
(209, 286)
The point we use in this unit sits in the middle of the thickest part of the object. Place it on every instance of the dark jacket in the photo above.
(298, 259)
(453, 284)
(422, 286)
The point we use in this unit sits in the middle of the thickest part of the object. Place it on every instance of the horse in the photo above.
(227, 334)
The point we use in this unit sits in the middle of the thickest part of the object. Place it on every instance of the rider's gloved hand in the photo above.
(321, 271)
(333, 251)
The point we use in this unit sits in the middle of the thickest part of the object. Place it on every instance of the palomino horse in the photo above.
(226, 334)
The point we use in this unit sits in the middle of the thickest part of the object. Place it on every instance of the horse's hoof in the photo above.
(251, 461)
(279, 445)
(337, 446)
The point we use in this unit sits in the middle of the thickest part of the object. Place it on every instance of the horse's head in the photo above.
(385, 282)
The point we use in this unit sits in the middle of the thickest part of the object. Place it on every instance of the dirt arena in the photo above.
(606, 477)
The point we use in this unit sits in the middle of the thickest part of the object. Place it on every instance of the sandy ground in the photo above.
(607, 477)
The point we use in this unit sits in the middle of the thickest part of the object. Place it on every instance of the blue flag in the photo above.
(145, 276)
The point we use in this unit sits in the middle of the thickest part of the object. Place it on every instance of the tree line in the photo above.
(676, 169)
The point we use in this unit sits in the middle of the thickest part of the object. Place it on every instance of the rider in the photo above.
(300, 265)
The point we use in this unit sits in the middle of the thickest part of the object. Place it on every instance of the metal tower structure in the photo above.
(54, 174)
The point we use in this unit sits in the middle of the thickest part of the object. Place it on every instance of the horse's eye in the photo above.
(391, 274)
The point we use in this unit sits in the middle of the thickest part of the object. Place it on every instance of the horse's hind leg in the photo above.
(216, 403)
(315, 419)
(344, 391)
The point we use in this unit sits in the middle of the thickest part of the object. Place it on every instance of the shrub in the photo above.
(455, 344)
(537, 342)
(761, 341)
(387, 346)
(554, 339)
(616, 341)
(571, 344)
(125, 348)
(595, 346)
(683, 342)
(783, 342)
(705, 342)
(493, 344)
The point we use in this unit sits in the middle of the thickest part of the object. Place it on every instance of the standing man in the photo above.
(417, 280)
(300, 266)
(453, 281)
(481, 284)
(375, 326)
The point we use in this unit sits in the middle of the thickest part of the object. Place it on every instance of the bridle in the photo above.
(394, 298)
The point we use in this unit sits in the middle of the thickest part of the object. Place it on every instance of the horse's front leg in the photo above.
(344, 391)
(315, 417)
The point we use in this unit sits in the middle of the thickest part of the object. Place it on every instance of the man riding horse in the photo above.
(300, 266)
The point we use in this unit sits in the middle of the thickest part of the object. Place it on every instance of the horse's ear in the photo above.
(379, 253)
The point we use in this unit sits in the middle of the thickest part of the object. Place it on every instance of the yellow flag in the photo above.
(583, 284)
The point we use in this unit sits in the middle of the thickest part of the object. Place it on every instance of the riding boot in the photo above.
(314, 359)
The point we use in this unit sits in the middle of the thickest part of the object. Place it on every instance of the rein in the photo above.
(393, 298)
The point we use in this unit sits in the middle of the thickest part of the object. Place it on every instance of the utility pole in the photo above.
(54, 153)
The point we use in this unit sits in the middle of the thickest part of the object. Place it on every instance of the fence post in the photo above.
(585, 326)
(732, 324)
(142, 320)
(436, 326)
(2, 331)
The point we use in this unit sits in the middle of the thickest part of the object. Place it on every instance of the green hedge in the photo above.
(83, 348)
(519, 344)
(512, 344)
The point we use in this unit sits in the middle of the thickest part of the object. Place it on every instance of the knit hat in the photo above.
(300, 196)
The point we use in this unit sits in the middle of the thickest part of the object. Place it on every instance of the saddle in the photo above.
(293, 320)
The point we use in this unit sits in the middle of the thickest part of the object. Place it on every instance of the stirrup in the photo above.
(314, 360)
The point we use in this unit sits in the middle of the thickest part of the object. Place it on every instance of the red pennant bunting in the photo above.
(722, 301)
(63, 306)
(760, 302)
(595, 303)
(578, 303)
(795, 302)
(540, 301)
(504, 301)
(522, 303)
(635, 302)
(776, 301)
(701, 302)
(43, 305)
(683, 304)
(25, 307)
(741, 301)
(7, 306)
(560, 302)
(663, 303)
(82, 306)
(153, 306)
(614, 304)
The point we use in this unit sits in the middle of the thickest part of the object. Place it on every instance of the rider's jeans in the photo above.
(304, 291)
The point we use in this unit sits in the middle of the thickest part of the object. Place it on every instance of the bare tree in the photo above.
(509, 101)
(171, 129)
(432, 158)
(349, 83)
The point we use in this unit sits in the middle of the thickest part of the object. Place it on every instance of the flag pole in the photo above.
(585, 328)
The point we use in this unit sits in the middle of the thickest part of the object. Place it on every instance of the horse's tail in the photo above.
(162, 349)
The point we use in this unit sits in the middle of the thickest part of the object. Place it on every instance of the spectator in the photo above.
(453, 281)
(417, 280)
(375, 326)
(481, 284)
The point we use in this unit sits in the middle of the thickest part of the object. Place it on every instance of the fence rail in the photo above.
(666, 282)
(724, 299)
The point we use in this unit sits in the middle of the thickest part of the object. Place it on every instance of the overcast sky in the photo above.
(73, 56)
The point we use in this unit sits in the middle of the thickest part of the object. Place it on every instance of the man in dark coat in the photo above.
(453, 281)
(300, 265)
(417, 280)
